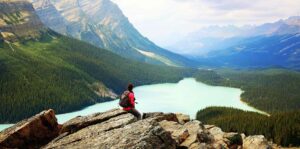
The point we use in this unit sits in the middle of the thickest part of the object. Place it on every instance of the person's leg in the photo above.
(136, 113)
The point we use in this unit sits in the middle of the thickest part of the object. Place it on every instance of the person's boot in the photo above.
(143, 116)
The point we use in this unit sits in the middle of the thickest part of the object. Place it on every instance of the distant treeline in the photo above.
(282, 128)
(270, 90)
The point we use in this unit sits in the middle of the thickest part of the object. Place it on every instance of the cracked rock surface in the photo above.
(31, 133)
(117, 129)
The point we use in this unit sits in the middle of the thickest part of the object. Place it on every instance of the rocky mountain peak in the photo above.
(119, 129)
(102, 24)
(18, 20)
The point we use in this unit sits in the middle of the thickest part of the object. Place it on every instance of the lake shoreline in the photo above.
(186, 96)
(261, 111)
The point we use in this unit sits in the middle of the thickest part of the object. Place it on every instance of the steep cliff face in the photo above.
(50, 16)
(119, 129)
(18, 20)
(103, 24)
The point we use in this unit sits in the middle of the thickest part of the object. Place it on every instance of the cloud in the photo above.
(166, 21)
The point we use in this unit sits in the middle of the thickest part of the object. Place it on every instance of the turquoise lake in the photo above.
(187, 96)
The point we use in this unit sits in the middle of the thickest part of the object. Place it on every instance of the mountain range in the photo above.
(103, 24)
(214, 38)
(43, 66)
(269, 45)
(40, 68)
(258, 52)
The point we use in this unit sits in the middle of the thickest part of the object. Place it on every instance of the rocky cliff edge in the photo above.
(117, 129)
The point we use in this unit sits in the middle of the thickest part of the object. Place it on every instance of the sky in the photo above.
(165, 21)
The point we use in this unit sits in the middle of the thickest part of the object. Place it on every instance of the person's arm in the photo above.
(131, 99)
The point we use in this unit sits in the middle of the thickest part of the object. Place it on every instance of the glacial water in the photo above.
(187, 96)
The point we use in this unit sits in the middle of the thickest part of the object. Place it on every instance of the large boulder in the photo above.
(143, 134)
(80, 122)
(218, 139)
(31, 133)
(178, 132)
(216, 132)
(256, 142)
(115, 129)
(92, 131)
(182, 118)
(159, 116)
(233, 140)
(193, 127)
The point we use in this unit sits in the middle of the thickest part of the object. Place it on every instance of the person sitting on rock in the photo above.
(127, 101)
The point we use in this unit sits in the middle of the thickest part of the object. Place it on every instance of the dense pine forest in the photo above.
(58, 72)
(282, 128)
(276, 91)
(270, 90)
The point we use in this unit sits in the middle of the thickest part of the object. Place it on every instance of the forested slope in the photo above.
(270, 90)
(65, 74)
(282, 128)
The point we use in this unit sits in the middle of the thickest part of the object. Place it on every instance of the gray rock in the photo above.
(182, 118)
(144, 134)
(205, 137)
(93, 131)
(193, 128)
(152, 114)
(256, 142)
(117, 129)
(233, 139)
(200, 146)
(216, 132)
(78, 123)
(219, 145)
(209, 126)
(178, 132)
(243, 136)
(31, 133)
(159, 116)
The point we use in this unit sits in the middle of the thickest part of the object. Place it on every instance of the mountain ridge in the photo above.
(55, 71)
(104, 25)
(269, 45)
(16, 20)
(215, 38)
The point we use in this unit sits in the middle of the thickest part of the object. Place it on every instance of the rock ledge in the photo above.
(117, 129)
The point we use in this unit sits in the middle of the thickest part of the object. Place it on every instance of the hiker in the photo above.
(127, 101)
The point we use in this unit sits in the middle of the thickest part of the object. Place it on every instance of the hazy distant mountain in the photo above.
(271, 44)
(214, 38)
(205, 40)
(281, 27)
(103, 24)
(258, 51)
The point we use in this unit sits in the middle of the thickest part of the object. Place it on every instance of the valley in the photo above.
(186, 96)
(65, 75)
(77, 57)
